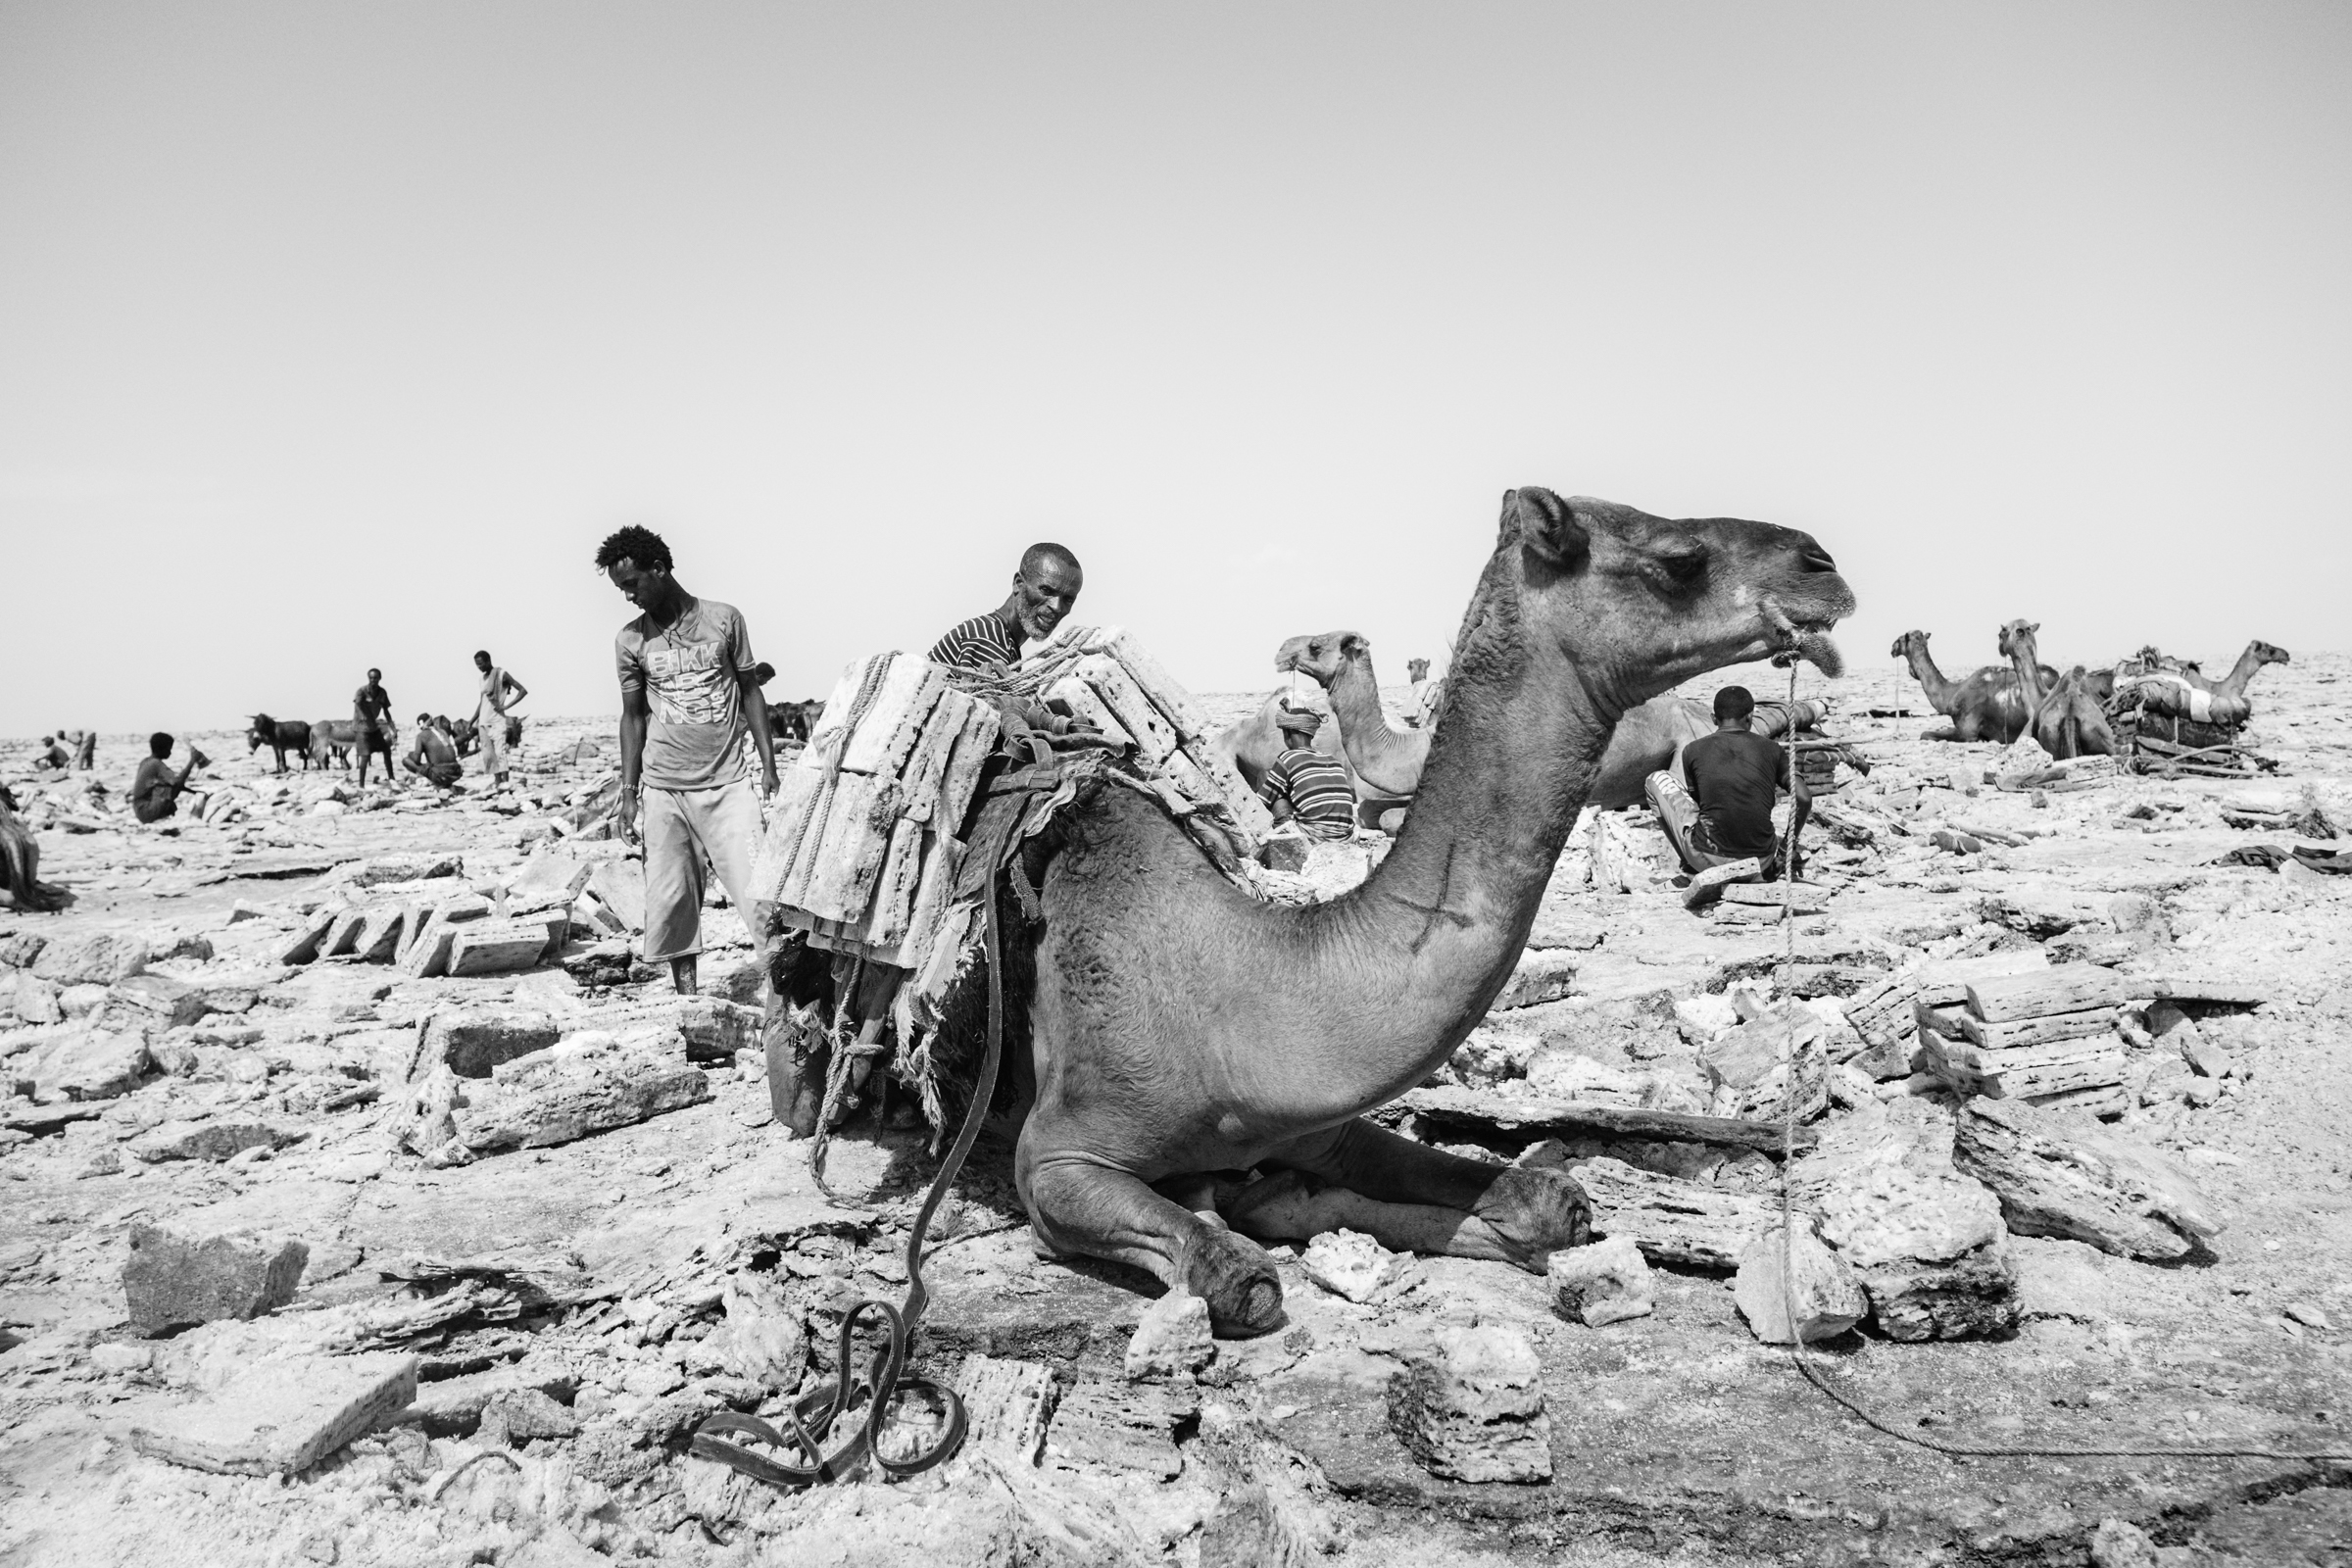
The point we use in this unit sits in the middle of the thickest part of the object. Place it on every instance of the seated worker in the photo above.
(432, 755)
(155, 793)
(1043, 591)
(1305, 785)
(51, 754)
(1735, 775)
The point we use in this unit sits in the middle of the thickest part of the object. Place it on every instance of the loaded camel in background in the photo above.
(2068, 718)
(1987, 706)
(280, 735)
(1180, 1029)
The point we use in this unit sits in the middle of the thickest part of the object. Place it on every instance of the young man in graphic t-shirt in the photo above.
(688, 698)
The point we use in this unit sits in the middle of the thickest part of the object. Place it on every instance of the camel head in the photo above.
(258, 731)
(1322, 655)
(1416, 669)
(1641, 604)
(1906, 642)
(2019, 635)
(2269, 653)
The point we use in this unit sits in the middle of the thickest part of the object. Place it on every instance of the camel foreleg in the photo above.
(1078, 1204)
(1412, 1198)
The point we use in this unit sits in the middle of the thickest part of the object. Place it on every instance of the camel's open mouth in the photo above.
(1808, 639)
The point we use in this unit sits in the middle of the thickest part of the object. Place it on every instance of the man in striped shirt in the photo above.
(1043, 591)
(1306, 786)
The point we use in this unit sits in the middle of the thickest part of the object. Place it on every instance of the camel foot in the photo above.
(1533, 1214)
(1236, 1279)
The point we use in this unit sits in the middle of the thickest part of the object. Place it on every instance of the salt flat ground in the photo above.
(1676, 1438)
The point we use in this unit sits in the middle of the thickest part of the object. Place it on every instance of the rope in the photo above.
(886, 1375)
(1797, 1351)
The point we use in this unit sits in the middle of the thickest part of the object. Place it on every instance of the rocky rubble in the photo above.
(470, 1245)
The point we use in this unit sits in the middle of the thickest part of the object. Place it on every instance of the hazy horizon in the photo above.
(337, 337)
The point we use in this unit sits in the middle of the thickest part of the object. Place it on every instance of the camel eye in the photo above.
(1683, 566)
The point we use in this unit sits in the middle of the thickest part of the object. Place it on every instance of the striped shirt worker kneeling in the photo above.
(1309, 787)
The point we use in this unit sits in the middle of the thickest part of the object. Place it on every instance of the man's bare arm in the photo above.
(755, 710)
(520, 690)
(633, 715)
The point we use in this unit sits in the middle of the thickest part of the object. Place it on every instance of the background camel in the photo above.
(2233, 685)
(1180, 1029)
(1987, 706)
(2068, 718)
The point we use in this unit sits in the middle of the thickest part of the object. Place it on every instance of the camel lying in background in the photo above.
(1987, 706)
(1180, 1029)
(2068, 719)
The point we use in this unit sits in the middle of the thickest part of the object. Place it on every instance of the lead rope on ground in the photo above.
(813, 1415)
(1796, 1345)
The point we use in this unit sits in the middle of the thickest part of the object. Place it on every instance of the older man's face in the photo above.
(1047, 591)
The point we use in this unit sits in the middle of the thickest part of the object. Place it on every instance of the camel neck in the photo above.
(1930, 679)
(2028, 661)
(1440, 925)
(2233, 684)
(1356, 693)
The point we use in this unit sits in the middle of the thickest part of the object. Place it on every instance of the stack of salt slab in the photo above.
(1108, 678)
(861, 849)
(2048, 1038)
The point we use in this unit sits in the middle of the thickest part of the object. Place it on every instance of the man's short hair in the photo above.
(641, 546)
(375, 675)
(158, 744)
(1733, 702)
(1038, 553)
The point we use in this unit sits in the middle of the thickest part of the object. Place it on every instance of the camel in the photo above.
(2067, 718)
(1647, 738)
(1180, 1029)
(2249, 663)
(1985, 707)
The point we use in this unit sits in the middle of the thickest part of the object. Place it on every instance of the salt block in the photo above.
(1541, 975)
(1708, 885)
(342, 934)
(1474, 1410)
(1601, 1284)
(85, 1064)
(171, 1282)
(502, 947)
(620, 883)
(1284, 852)
(303, 945)
(715, 1029)
(1828, 1299)
(94, 959)
(213, 1141)
(471, 1042)
(282, 1417)
(1005, 1403)
(1173, 1339)
(1349, 1263)
(174, 1002)
(402, 869)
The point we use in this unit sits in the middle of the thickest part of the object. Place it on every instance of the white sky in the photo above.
(338, 335)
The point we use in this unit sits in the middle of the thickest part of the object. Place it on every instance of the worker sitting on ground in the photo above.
(1734, 776)
(51, 754)
(432, 755)
(155, 793)
(1305, 785)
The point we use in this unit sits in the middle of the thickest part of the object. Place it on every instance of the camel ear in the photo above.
(1352, 647)
(1547, 526)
